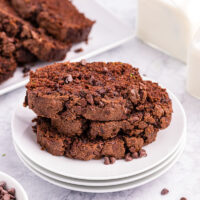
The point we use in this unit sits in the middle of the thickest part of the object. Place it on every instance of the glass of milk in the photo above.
(193, 73)
(168, 25)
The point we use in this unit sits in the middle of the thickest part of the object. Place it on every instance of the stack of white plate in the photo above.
(94, 176)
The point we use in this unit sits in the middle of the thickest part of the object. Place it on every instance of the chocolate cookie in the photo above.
(81, 147)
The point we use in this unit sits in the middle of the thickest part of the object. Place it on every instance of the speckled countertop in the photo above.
(183, 179)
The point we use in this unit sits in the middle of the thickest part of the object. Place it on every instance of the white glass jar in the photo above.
(168, 25)
(193, 71)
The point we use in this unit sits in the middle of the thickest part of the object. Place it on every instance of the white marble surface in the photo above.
(182, 180)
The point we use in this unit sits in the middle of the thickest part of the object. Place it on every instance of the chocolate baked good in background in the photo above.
(61, 19)
(27, 42)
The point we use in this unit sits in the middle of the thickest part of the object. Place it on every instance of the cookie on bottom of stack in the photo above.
(83, 148)
(94, 110)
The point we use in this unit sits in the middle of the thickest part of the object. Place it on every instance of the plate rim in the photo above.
(130, 185)
(104, 182)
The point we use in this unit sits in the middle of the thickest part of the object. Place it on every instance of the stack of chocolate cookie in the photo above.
(93, 110)
(38, 30)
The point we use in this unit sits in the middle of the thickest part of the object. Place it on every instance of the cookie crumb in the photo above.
(164, 191)
(25, 71)
(183, 198)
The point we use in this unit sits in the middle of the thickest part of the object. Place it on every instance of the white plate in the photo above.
(105, 189)
(108, 32)
(165, 144)
(99, 183)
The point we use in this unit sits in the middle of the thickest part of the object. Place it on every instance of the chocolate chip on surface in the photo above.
(78, 50)
(183, 198)
(164, 191)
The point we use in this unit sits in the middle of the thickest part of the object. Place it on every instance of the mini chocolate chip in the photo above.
(102, 91)
(11, 191)
(134, 119)
(12, 197)
(101, 104)
(82, 93)
(83, 62)
(68, 78)
(83, 102)
(143, 153)
(92, 80)
(78, 110)
(183, 198)
(142, 86)
(25, 69)
(115, 93)
(128, 157)
(78, 50)
(90, 99)
(111, 78)
(133, 91)
(34, 128)
(132, 149)
(135, 155)
(4, 191)
(134, 96)
(98, 83)
(164, 191)
(105, 69)
(3, 184)
(112, 160)
(6, 197)
(106, 161)
(101, 129)
(107, 112)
